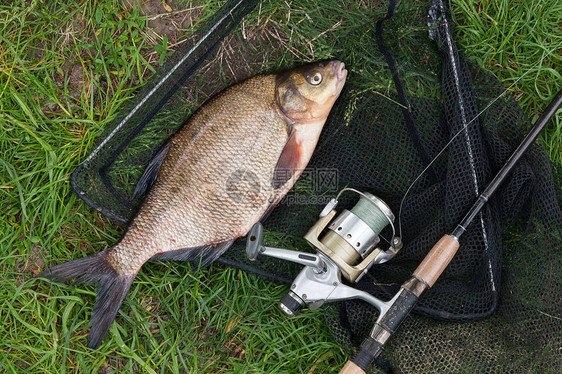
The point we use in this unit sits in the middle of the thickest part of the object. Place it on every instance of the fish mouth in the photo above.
(341, 74)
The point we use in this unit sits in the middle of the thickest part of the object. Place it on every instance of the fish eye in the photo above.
(314, 79)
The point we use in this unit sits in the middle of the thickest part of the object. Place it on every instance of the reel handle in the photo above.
(254, 247)
(255, 238)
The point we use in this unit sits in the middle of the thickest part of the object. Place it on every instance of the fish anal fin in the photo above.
(202, 256)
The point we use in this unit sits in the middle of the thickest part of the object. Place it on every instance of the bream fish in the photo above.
(223, 171)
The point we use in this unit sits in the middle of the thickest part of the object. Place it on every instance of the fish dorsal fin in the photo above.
(149, 176)
(288, 161)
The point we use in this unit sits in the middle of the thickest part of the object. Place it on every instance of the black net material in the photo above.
(107, 178)
(498, 306)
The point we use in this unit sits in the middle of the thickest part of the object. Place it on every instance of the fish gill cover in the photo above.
(409, 91)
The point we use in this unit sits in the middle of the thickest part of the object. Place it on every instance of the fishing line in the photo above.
(456, 135)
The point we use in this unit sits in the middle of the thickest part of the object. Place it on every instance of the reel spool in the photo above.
(351, 239)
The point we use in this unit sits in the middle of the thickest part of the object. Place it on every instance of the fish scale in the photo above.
(216, 177)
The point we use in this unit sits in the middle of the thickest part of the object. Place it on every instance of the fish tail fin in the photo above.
(112, 288)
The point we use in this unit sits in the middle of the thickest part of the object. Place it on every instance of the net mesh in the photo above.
(498, 306)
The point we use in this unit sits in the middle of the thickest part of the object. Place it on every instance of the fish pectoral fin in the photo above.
(202, 256)
(288, 161)
(149, 176)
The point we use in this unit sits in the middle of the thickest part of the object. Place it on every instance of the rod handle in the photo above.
(371, 348)
(424, 276)
(437, 259)
(351, 368)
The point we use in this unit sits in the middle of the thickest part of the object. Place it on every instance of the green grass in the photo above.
(509, 39)
(66, 68)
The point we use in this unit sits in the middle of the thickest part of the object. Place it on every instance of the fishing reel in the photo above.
(346, 246)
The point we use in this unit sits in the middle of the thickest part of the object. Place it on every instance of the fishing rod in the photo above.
(435, 262)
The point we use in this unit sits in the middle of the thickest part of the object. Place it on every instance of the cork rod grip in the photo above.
(437, 260)
(351, 368)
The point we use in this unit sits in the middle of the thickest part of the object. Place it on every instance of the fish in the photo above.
(223, 171)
